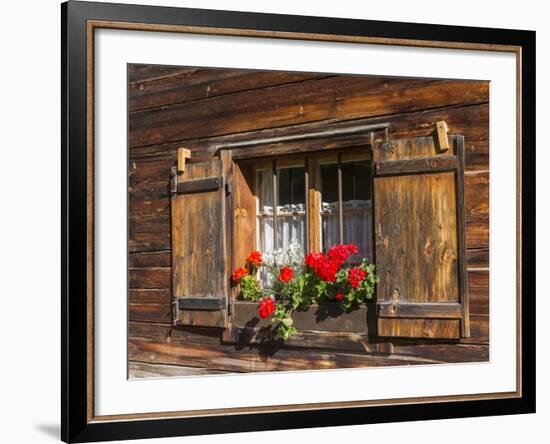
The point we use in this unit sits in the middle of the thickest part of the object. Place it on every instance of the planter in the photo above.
(327, 317)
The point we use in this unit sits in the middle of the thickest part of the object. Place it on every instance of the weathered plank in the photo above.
(354, 97)
(445, 352)
(153, 223)
(476, 190)
(139, 370)
(478, 285)
(420, 310)
(477, 233)
(203, 83)
(150, 259)
(145, 296)
(142, 242)
(479, 328)
(470, 121)
(137, 71)
(150, 313)
(478, 257)
(252, 360)
(203, 336)
(419, 328)
(154, 170)
(157, 277)
(415, 166)
(137, 208)
(149, 190)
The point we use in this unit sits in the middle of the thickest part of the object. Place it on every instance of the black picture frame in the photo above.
(76, 423)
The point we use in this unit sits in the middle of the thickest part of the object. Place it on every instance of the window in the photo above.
(401, 203)
(342, 183)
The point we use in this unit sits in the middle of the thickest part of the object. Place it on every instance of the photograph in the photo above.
(304, 221)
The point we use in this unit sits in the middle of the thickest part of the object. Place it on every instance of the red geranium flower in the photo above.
(338, 254)
(352, 248)
(355, 276)
(238, 274)
(286, 274)
(312, 259)
(266, 307)
(326, 269)
(339, 296)
(254, 258)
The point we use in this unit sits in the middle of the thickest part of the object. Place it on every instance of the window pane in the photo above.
(357, 205)
(291, 186)
(290, 210)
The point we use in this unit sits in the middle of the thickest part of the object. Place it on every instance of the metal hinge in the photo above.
(230, 309)
(175, 317)
(173, 180)
(385, 145)
(228, 189)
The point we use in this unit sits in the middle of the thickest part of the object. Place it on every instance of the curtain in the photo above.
(357, 225)
(290, 220)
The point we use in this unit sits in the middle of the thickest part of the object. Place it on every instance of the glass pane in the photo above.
(291, 186)
(357, 206)
(290, 210)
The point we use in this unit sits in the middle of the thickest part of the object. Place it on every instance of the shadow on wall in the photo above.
(51, 430)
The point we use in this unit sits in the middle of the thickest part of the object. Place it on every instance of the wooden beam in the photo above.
(412, 166)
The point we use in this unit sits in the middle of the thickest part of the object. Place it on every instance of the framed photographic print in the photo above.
(277, 221)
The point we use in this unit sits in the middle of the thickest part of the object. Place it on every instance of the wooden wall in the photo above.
(170, 107)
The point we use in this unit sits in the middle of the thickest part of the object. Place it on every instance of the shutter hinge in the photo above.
(228, 189)
(384, 143)
(173, 180)
(175, 309)
(230, 309)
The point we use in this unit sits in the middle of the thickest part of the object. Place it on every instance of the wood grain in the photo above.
(199, 245)
(205, 109)
(228, 358)
(354, 97)
(416, 240)
(138, 370)
(189, 84)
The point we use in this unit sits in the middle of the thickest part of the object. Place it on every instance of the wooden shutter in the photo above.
(200, 274)
(420, 239)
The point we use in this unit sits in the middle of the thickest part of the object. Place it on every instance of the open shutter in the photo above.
(200, 278)
(420, 239)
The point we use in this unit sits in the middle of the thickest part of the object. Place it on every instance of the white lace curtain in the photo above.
(290, 218)
(357, 225)
(291, 221)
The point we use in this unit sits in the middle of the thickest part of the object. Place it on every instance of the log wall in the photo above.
(199, 108)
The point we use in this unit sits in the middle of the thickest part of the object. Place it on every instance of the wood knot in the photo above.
(395, 295)
(448, 255)
(428, 248)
